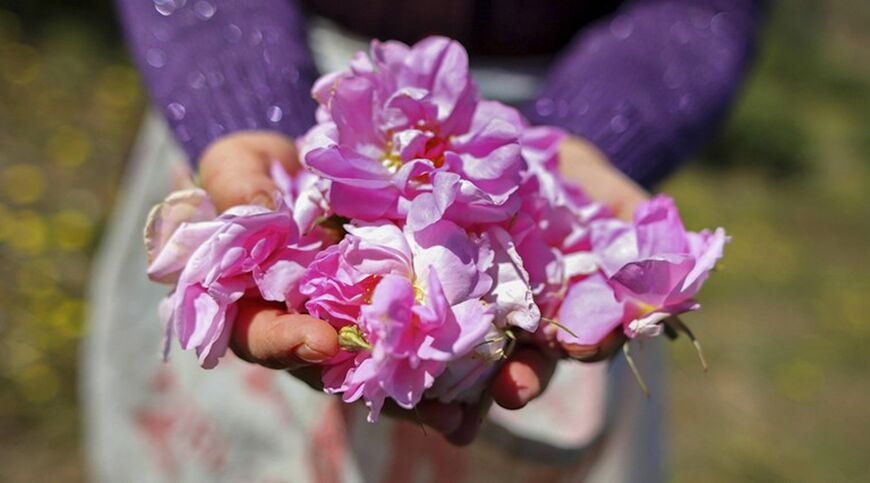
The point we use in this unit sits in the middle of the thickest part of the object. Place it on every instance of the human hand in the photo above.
(235, 170)
(585, 165)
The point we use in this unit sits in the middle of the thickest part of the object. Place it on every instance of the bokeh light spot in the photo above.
(6, 221)
(66, 318)
(23, 61)
(22, 183)
(798, 380)
(71, 230)
(118, 86)
(39, 383)
(30, 233)
(68, 147)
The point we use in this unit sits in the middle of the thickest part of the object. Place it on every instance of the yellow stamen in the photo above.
(645, 309)
(392, 162)
(419, 294)
(391, 159)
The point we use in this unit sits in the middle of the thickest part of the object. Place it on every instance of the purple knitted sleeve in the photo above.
(646, 84)
(218, 66)
(649, 83)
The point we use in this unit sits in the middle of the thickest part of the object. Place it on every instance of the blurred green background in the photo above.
(785, 324)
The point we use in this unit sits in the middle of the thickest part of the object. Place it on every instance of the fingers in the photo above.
(523, 378)
(469, 427)
(458, 423)
(265, 334)
(235, 169)
(444, 418)
(597, 352)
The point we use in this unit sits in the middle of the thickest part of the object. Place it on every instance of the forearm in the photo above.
(650, 83)
(222, 66)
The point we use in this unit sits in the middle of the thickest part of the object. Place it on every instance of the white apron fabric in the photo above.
(150, 421)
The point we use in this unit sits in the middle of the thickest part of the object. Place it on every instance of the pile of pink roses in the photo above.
(458, 234)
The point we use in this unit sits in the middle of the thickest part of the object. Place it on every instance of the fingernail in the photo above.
(525, 382)
(468, 430)
(526, 393)
(307, 354)
(581, 352)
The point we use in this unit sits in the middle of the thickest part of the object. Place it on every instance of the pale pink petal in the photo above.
(343, 165)
(174, 255)
(653, 280)
(351, 109)
(379, 248)
(615, 243)
(427, 208)
(362, 203)
(167, 252)
(450, 251)
(540, 146)
(707, 248)
(659, 228)
(590, 311)
(511, 293)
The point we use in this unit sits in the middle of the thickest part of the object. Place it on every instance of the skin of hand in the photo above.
(235, 170)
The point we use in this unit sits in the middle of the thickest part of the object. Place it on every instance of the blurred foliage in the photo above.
(69, 105)
(785, 321)
(805, 59)
(97, 15)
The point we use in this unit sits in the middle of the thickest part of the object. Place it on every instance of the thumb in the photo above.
(523, 377)
(263, 333)
(235, 169)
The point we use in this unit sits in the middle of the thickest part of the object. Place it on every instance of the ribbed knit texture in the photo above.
(647, 83)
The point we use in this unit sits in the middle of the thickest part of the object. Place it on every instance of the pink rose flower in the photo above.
(465, 379)
(551, 229)
(650, 269)
(405, 131)
(186, 207)
(215, 260)
(513, 305)
(408, 306)
(460, 233)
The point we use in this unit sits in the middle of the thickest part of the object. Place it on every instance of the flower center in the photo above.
(391, 159)
(369, 285)
(645, 309)
(433, 150)
(419, 294)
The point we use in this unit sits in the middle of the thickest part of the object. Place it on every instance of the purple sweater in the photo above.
(646, 83)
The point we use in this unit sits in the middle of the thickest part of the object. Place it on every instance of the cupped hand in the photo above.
(583, 164)
(235, 170)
